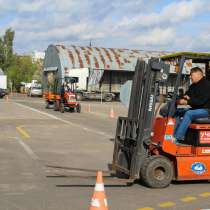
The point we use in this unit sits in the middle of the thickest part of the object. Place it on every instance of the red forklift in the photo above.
(65, 99)
(144, 145)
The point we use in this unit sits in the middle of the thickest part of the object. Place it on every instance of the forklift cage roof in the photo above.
(181, 57)
(197, 57)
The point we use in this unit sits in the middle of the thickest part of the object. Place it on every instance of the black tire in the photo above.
(108, 98)
(157, 172)
(56, 105)
(47, 105)
(62, 108)
(78, 108)
(71, 109)
(79, 97)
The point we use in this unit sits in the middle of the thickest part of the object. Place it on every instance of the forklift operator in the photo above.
(63, 90)
(198, 98)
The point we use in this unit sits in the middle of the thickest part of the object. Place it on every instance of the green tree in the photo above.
(21, 69)
(6, 49)
(38, 73)
(18, 68)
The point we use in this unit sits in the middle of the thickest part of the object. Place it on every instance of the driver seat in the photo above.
(204, 120)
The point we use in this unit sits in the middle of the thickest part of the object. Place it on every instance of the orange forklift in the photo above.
(144, 145)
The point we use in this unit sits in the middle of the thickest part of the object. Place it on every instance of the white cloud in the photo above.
(54, 33)
(156, 37)
(21, 6)
(121, 23)
(30, 6)
(175, 12)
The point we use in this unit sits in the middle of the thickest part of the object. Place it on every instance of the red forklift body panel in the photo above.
(185, 150)
(200, 126)
(203, 151)
(58, 97)
(192, 160)
(163, 134)
(159, 128)
(70, 99)
(193, 168)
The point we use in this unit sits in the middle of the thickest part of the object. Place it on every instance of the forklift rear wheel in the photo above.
(78, 108)
(157, 172)
(62, 108)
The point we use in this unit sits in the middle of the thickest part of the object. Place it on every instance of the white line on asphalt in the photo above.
(65, 121)
(27, 149)
(34, 102)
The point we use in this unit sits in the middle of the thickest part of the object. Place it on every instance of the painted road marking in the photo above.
(23, 133)
(184, 199)
(205, 194)
(166, 204)
(65, 121)
(145, 208)
(27, 149)
(188, 199)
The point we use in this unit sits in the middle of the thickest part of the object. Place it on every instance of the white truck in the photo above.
(3, 84)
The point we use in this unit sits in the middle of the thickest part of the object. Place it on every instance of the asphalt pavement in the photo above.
(49, 161)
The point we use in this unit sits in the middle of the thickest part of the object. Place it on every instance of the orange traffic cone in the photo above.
(99, 201)
(111, 113)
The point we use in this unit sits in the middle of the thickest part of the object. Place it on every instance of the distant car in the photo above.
(3, 92)
(35, 91)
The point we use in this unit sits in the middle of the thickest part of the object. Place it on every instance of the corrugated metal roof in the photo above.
(102, 58)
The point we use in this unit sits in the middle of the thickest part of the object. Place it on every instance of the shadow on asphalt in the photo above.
(85, 174)
(194, 182)
(92, 185)
(77, 169)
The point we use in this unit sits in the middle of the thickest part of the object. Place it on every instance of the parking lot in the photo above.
(49, 160)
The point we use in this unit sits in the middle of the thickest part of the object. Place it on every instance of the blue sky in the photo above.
(180, 25)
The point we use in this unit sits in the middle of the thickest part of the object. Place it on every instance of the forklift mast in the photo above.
(133, 133)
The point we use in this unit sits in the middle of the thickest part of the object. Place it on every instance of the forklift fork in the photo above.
(133, 133)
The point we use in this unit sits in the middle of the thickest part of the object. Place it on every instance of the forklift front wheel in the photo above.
(157, 172)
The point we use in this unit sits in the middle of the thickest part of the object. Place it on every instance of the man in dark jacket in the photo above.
(198, 97)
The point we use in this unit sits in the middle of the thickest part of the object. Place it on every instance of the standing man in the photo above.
(63, 90)
(198, 97)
